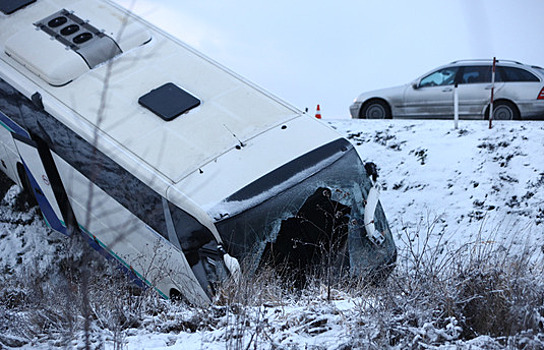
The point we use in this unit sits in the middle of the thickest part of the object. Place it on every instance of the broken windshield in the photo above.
(315, 208)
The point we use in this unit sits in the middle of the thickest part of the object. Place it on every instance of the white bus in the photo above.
(168, 162)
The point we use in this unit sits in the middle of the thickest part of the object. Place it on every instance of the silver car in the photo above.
(518, 93)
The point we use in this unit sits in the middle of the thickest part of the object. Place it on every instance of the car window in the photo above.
(476, 74)
(445, 76)
(513, 74)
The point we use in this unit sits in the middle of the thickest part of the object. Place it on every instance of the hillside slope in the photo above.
(470, 183)
(442, 188)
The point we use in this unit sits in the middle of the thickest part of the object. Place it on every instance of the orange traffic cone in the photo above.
(318, 113)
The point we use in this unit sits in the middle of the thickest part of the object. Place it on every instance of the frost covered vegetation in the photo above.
(465, 207)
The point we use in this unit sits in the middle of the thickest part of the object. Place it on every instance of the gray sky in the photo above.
(327, 52)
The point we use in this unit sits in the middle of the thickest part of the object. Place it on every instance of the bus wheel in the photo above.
(176, 297)
(5, 184)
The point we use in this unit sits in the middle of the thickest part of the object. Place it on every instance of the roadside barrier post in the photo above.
(492, 91)
(455, 107)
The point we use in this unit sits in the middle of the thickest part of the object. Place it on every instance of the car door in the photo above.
(432, 95)
(474, 90)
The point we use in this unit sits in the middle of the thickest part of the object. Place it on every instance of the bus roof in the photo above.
(111, 95)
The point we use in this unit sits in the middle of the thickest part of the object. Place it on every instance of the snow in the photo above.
(471, 185)
(25, 241)
(471, 182)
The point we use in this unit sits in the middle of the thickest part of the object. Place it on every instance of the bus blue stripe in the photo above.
(12, 126)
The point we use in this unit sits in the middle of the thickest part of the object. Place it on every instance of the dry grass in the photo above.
(434, 297)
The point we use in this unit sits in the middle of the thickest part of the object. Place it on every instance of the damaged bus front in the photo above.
(320, 209)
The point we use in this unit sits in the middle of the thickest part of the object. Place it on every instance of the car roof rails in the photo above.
(486, 60)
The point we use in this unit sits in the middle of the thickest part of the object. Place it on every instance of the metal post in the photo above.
(455, 107)
(492, 92)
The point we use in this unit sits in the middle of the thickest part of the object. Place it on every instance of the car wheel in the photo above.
(376, 109)
(504, 110)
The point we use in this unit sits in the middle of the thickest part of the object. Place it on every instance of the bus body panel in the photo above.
(127, 238)
(9, 156)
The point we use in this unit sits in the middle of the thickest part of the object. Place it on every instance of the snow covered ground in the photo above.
(472, 183)
(441, 186)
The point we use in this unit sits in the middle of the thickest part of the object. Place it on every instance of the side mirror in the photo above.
(415, 85)
(371, 170)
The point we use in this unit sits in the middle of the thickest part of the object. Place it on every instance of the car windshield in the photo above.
(445, 76)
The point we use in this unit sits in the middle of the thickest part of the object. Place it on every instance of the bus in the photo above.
(181, 170)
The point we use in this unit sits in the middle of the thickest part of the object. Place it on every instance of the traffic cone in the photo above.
(318, 113)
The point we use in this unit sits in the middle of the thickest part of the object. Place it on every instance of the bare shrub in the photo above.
(500, 294)
(440, 295)
(47, 306)
(240, 304)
